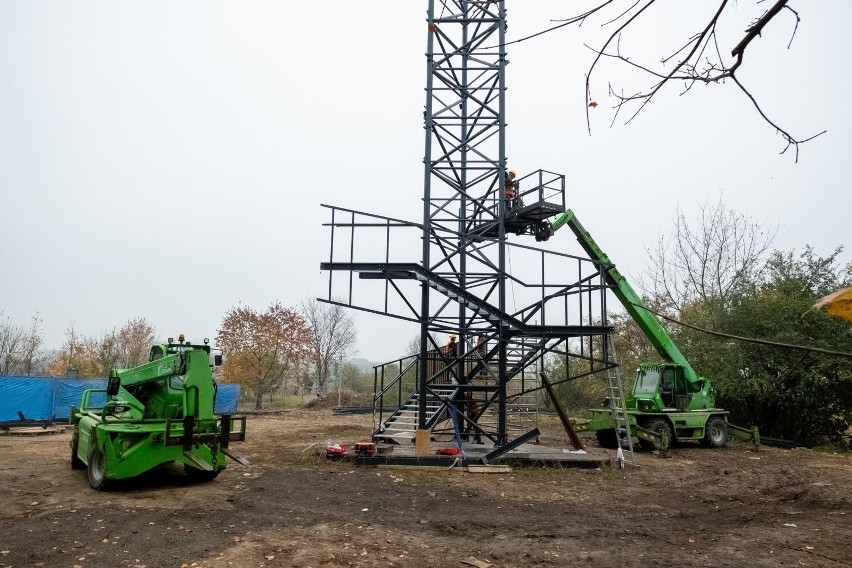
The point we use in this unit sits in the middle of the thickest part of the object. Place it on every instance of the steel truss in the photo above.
(510, 304)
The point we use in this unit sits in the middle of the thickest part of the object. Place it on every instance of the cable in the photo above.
(747, 339)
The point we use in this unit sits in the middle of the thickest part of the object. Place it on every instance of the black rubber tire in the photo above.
(715, 433)
(200, 475)
(76, 463)
(656, 425)
(606, 438)
(97, 470)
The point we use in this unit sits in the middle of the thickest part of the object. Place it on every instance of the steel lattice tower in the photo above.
(464, 273)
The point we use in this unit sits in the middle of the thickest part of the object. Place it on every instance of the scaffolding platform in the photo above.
(521, 220)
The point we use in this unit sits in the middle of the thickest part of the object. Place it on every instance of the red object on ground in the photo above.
(335, 451)
(365, 449)
(448, 452)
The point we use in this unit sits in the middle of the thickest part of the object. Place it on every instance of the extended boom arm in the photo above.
(628, 297)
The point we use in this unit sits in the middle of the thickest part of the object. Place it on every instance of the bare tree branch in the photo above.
(707, 261)
(784, 134)
(698, 61)
(333, 336)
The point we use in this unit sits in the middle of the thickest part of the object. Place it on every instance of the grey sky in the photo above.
(168, 159)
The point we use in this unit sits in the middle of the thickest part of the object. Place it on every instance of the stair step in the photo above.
(406, 435)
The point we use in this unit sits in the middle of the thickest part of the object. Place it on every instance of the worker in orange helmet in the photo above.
(450, 347)
(511, 187)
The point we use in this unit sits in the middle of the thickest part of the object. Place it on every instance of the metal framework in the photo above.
(511, 304)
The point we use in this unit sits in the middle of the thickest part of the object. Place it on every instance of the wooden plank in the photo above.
(572, 435)
(489, 469)
(422, 440)
(31, 431)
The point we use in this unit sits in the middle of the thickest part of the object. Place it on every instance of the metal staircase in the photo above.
(402, 424)
(617, 404)
(474, 396)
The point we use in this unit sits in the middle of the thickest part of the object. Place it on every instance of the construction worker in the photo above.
(511, 188)
(482, 345)
(473, 409)
(450, 348)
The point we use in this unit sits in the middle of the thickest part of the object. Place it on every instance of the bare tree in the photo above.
(134, 342)
(333, 336)
(11, 338)
(698, 59)
(631, 344)
(31, 354)
(708, 261)
(20, 347)
(75, 354)
(413, 345)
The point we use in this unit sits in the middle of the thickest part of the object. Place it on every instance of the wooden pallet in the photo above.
(32, 431)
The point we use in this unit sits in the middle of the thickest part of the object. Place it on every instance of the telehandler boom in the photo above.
(668, 397)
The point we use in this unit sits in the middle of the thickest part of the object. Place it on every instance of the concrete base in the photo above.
(422, 441)
(525, 454)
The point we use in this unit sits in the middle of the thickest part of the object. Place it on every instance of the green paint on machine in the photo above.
(156, 413)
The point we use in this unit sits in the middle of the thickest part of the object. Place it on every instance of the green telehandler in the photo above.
(156, 413)
(670, 401)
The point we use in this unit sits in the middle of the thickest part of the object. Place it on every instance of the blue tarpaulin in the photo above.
(69, 391)
(50, 398)
(227, 397)
(33, 396)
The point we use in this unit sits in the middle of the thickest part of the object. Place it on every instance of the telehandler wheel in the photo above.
(76, 463)
(656, 425)
(97, 470)
(715, 433)
(199, 475)
(606, 438)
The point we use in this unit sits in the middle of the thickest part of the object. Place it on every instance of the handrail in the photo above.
(396, 379)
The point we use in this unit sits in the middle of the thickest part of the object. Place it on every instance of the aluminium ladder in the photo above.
(617, 404)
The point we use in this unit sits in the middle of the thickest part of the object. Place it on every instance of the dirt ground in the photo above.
(731, 507)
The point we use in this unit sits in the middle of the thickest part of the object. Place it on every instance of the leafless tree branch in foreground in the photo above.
(699, 60)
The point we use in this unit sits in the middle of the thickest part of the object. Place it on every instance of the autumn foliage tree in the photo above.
(262, 348)
(94, 356)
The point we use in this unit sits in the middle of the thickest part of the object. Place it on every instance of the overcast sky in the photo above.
(168, 159)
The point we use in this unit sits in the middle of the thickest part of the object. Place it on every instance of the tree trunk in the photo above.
(322, 374)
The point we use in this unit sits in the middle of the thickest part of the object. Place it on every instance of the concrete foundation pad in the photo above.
(472, 454)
